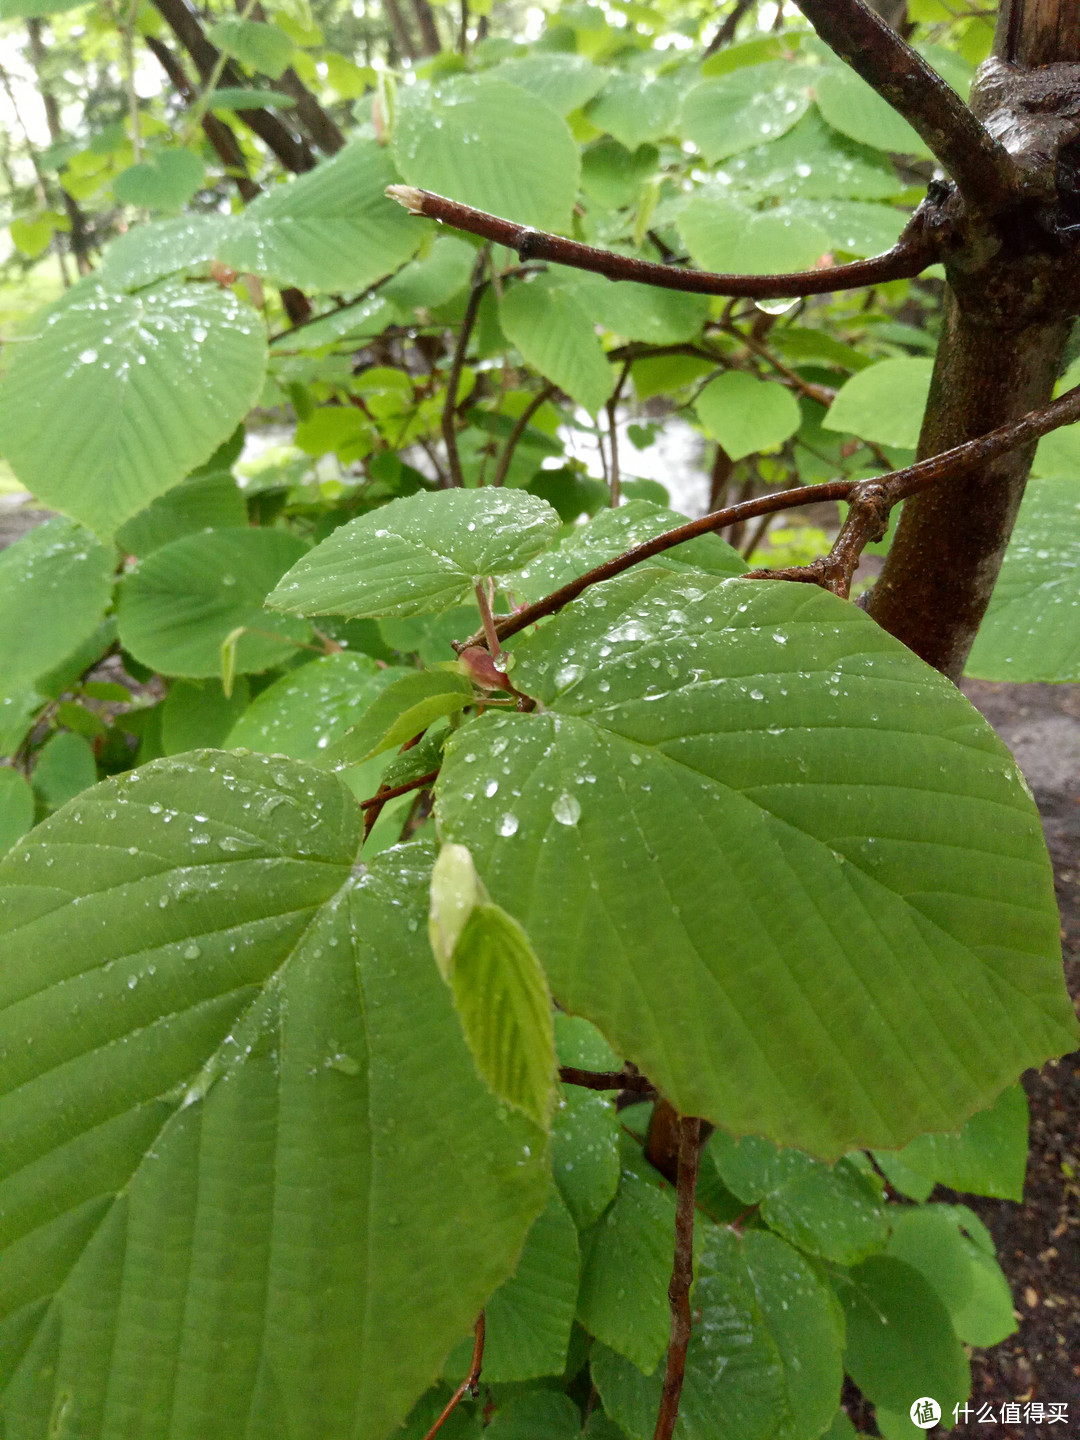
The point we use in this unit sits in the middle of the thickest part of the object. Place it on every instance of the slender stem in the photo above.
(199, 109)
(897, 486)
(912, 253)
(983, 170)
(520, 426)
(614, 495)
(469, 1385)
(449, 414)
(396, 790)
(682, 1275)
(605, 1079)
(491, 635)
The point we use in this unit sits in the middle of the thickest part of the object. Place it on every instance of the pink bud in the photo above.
(480, 668)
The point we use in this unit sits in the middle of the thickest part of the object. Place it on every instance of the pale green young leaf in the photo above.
(455, 893)
(272, 1044)
(854, 226)
(884, 403)
(257, 45)
(417, 555)
(742, 110)
(504, 1006)
(400, 712)
(165, 182)
(565, 82)
(1032, 628)
(556, 335)
(433, 279)
(117, 397)
(746, 414)
(55, 586)
(492, 145)
(704, 746)
(178, 606)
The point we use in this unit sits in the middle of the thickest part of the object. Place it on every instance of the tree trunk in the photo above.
(1008, 314)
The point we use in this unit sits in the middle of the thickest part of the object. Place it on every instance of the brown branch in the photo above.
(320, 127)
(521, 424)
(429, 35)
(449, 415)
(615, 493)
(726, 32)
(80, 229)
(471, 1383)
(912, 253)
(221, 136)
(983, 170)
(606, 1079)
(383, 795)
(402, 35)
(682, 1275)
(864, 496)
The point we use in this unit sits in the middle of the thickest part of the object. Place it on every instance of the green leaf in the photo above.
(585, 1152)
(556, 335)
(746, 414)
(277, 1128)
(434, 279)
(1031, 629)
(742, 110)
(198, 714)
(491, 145)
(610, 533)
(625, 1270)
(831, 1211)
(1057, 455)
(811, 162)
(16, 9)
(118, 397)
(177, 607)
(18, 711)
(722, 234)
(640, 312)
(900, 1344)
(417, 555)
(528, 1319)
(165, 182)
(580, 1044)
(613, 176)
(854, 108)
(764, 1353)
(542, 1415)
(968, 1281)
(55, 586)
(33, 236)
(703, 748)
(400, 712)
(65, 767)
(504, 1006)
(853, 226)
(203, 502)
(987, 1157)
(565, 82)
(635, 108)
(306, 712)
(254, 44)
(238, 98)
(16, 807)
(884, 403)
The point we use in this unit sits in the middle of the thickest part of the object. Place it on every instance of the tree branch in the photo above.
(912, 253)
(726, 32)
(449, 415)
(682, 1275)
(471, 1383)
(984, 172)
(869, 498)
(521, 424)
(606, 1079)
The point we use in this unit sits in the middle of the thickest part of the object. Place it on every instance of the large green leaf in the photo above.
(492, 145)
(556, 335)
(831, 1211)
(723, 234)
(987, 1157)
(884, 402)
(641, 312)
(1032, 628)
(610, 533)
(203, 502)
(118, 397)
(182, 602)
(832, 851)
(764, 1353)
(812, 162)
(251, 1179)
(417, 555)
(741, 110)
(564, 82)
(962, 1272)
(255, 44)
(636, 108)
(746, 414)
(55, 586)
(854, 108)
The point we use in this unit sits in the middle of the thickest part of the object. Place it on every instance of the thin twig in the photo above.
(614, 495)
(606, 1079)
(985, 173)
(394, 791)
(471, 1383)
(726, 33)
(912, 253)
(864, 497)
(521, 424)
(682, 1275)
(477, 285)
(823, 394)
(210, 84)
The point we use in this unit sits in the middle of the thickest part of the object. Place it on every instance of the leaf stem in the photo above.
(682, 1274)
(471, 1383)
(477, 286)
(912, 253)
(491, 634)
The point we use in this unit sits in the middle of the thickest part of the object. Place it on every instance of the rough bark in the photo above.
(1014, 288)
